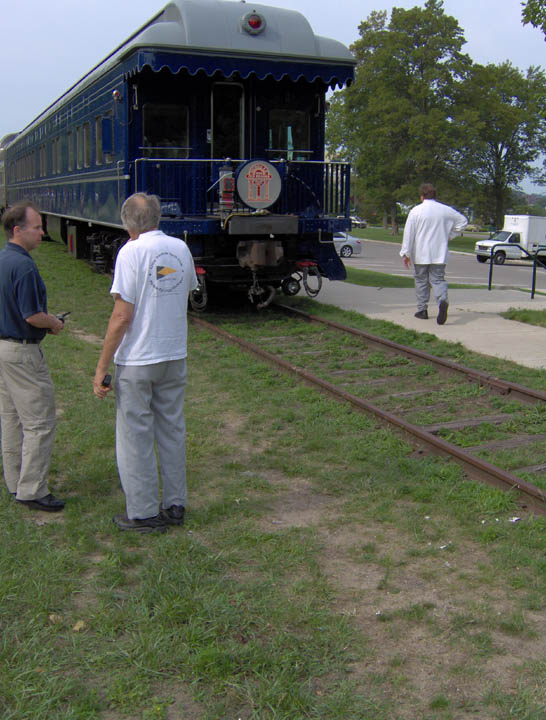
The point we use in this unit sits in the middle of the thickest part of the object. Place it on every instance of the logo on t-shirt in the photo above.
(166, 272)
(161, 271)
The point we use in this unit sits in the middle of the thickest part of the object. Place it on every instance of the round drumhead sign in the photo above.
(259, 184)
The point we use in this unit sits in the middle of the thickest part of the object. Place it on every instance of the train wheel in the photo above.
(291, 286)
(199, 298)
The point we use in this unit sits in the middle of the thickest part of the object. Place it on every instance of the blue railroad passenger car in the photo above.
(219, 109)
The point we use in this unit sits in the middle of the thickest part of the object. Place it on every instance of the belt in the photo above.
(29, 341)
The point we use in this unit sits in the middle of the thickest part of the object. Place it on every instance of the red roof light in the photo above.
(253, 22)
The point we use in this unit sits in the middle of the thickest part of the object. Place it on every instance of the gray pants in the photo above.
(425, 276)
(150, 408)
(27, 407)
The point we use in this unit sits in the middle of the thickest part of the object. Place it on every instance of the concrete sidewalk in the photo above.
(473, 318)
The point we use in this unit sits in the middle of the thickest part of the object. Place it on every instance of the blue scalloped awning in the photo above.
(332, 73)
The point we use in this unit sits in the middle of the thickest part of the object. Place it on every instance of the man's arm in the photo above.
(120, 320)
(407, 241)
(43, 320)
(460, 222)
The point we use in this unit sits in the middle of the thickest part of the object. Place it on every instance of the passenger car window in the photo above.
(70, 148)
(87, 144)
(165, 131)
(227, 110)
(289, 134)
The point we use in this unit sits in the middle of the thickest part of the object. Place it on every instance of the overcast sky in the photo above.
(47, 46)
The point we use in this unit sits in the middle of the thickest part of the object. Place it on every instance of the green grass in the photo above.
(463, 243)
(532, 317)
(370, 278)
(305, 521)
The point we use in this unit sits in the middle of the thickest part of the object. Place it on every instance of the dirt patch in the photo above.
(429, 613)
(298, 507)
(87, 337)
(85, 600)
(183, 706)
(170, 698)
(234, 435)
(40, 518)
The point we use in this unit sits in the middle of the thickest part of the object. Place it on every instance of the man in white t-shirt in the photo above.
(147, 338)
(427, 231)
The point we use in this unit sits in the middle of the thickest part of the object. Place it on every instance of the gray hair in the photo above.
(141, 213)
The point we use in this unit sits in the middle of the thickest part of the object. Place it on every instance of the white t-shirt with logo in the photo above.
(155, 273)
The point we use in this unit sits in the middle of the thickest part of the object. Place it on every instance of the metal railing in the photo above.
(536, 261)
(190, 187)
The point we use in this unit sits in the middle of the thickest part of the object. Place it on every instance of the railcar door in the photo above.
(227, 113)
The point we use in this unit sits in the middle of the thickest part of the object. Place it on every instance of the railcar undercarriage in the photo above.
(262, 267)
(257, 266)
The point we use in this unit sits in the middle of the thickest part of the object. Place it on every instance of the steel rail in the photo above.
(531, 497)
(504, 387)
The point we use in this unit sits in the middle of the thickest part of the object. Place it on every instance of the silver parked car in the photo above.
(347, 245)
(358, 222)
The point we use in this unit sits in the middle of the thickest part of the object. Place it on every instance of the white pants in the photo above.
(425, 276)
(150, 410)
(27, 407)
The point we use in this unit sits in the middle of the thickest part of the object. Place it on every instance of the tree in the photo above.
(393, 123)
(501, 116)
(534, 13)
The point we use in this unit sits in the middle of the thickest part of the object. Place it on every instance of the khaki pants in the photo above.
(27, 408)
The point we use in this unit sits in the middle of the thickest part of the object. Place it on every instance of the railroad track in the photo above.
(493, 428)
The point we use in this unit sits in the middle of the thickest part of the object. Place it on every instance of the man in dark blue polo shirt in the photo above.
(27, 402)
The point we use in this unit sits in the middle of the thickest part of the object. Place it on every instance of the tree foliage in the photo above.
(393, 122)
(534, 13)
(419, 110)
(501, 114)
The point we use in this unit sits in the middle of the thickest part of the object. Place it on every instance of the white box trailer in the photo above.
(519, 232)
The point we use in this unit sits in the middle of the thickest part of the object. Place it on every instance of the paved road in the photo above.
(462, 267)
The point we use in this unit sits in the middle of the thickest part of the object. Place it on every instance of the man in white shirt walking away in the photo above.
(146, 336)
(427, 232)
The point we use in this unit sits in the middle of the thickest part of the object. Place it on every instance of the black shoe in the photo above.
(173, 515)
(145, 525)
(442, 312)
(47, 503)
(422, 315)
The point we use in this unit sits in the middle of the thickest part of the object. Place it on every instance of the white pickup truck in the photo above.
(519, 233)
